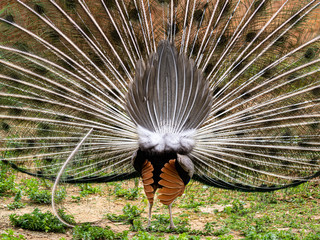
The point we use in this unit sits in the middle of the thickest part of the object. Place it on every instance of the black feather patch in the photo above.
(197, 15)
(70, 4)
(5, 126)
(208, 68)
(9, 18)
(54, 35)
(310, 53)
(250, 36)
(133, 14)
(39, 9)
(16, 111)
(109, 3)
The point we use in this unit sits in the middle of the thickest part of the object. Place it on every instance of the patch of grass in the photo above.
(236, 208)
(130, 212)
(162, 221)
(191, 202)
(17, 202)
(10, 235)
(254, 234)
(147, 236)
(15, 205)
(38, 221)
(86, 231)
(7, 179)
(129, 194)
(137, 225)
(41, 196)
(87, 189)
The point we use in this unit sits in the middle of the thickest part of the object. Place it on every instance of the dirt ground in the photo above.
(93, 208)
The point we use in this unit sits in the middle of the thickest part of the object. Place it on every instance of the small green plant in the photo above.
(10, 235)
(66, 217)
(191, 203)
(252, 234)
(145, 236)
(86, 231)
(221, 231)
(17, 197)
(226, 237)
(162, 222)
(44, 196)
(38, 221)
(209, 228)
(184, 236)
(41, 196)
(129, 194)
(87, 189)
(7, 179)
(141, 235)
(130, 212)
(76, 198)
(137, 225)
(15, 205)
(236, 208)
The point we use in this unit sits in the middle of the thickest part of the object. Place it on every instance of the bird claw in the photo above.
(149, 227)
(171, 227)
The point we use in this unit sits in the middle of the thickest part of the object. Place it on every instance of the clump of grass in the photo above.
(254, 234)
(129, 194)
(38, 221)
(86, 231)
(15, 205)
(162, 222)
(236, 208)
(10, 235)
(17, 202)
(41, 196)
(147, 236)
(87, 189)
(137, 225)
(222, 231)
(130, 212)
(7, 179)
(192, 202)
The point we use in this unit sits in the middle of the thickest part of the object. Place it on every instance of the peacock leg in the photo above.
(172, 226)
(149, 220)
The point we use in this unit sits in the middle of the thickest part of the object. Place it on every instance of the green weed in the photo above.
(38, 221)
(17, 202)
(41, 196)
(129, 194)
(162, 221)
(7, 179)
(10, 235)
(86, 231)
(130, 212)
(15, 205)
(87, 189)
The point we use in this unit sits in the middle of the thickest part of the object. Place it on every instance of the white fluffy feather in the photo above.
(163, 141)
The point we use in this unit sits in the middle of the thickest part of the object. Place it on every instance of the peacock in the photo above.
(224, 92)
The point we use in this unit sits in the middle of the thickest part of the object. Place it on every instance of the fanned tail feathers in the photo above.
(233, 84)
